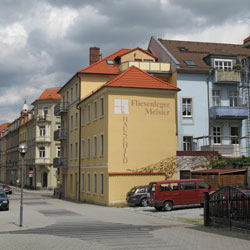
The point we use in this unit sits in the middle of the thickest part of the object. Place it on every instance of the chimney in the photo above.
(246, 42)
(94, 55)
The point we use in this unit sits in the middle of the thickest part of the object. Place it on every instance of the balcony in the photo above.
(61, 107)
(43, 139)
(227, 112)
(60, 162)
(147, 66)
(227, 76)
(43, 118)
(61, 134)
(42, 161)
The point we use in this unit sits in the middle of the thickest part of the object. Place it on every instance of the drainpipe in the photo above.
(208, 106)
(79, 146)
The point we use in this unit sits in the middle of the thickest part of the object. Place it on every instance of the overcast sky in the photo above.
(43, 43)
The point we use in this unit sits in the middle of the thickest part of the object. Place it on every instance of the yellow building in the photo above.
(116, 120)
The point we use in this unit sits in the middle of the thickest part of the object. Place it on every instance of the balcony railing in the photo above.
(43, 139)
(61, 134)
(147, 66)
(43, 118)
(42, 160)
(227, 112)
(60, 162)
(61, 107)
(227, 76)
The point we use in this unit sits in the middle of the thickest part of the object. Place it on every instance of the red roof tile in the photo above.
(218, 171)
(50, 94)
(136, 78)
(3, 126)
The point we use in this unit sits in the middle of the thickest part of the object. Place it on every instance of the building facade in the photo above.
(3, 130)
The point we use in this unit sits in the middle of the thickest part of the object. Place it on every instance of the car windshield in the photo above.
(2, 194)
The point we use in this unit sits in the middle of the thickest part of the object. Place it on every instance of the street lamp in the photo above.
(22, 150)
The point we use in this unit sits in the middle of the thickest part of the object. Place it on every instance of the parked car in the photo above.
(7, 189)
(166, 194)
(138, 196)
(4, 201)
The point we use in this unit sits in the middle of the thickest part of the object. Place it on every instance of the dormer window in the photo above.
(110, 62)
(223, 64)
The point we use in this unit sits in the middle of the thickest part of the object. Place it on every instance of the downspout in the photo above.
(79, 146)
(208, 107)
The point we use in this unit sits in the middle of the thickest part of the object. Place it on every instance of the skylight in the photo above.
(110, 62)
(189, 62)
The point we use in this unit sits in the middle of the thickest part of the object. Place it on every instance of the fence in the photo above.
(228, 206)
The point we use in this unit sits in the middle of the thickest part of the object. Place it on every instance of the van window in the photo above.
(203, 185)
(152, 188)
(187, 185)
(168, 187)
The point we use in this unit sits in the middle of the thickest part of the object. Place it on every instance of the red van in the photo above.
(166, 194)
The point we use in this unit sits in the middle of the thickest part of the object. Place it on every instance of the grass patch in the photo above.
(191, 221)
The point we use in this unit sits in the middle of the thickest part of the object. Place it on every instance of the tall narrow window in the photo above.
(42, 130)
(45, 111)
(88, 183)
(76, 121)
(187, 107)
(76, 90)
(233, 98)
(71, 122)
(71, 151)
(76, 149)
(102, 184)
(88, 147)
(67, 97)
(42, 152)
(101, 107)
(95, 111)
(216, 97)
(82, 182)
(101, 145)
(83, 117)
(95, 183)
(217, 135)
(235, 135)
(187, 143)
(88, 119)
(95, 146)
(71, 95)
(58, 151)
(82, 149)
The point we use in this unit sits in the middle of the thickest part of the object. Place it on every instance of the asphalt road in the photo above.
(50, 223)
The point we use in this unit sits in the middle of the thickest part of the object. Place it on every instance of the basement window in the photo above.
(189, 62)
(110, 62)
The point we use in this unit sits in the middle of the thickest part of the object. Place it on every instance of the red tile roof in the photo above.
(3, 126)
(50, 94)
(101, 67)
(136, 78)
(218, 171)
(246, 39)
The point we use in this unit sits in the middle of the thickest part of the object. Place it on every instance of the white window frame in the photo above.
(95, 183)
(82, 181)
(94, 146)
(102, 144)
(234, 98)
(102, 184)
(223, 66)
(42, 131)
(88, 113)
(217, 135)
(88, 182)
(187, 106)
(216, 97)
(101, 107)
(88, 147)
(95, 111)
(82, 148)
(187, 144)
(42, 152)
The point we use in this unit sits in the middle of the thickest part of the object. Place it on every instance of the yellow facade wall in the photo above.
(136, 54)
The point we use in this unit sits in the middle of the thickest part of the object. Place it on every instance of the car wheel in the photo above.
(168, 205)
(158, 208)
(144, 202)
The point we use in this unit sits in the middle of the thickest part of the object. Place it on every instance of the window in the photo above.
(88, 119)
(58, 151)
(71, 151)
(88, 183)
(101, 144)
(82, 149)
(45, 111)
(168, 187)
(235, 135)
(187, 143)
(222, 64)
(102, 184)
(110, 62)
(217, 134)
(233, 99)
(76, 150)
(71, 122)
(82, 182)
(76, 90)
(203, 185)
(189, 62)
(187, 107)
(42, 152)
(95, 146)
(88, 147)
(216, 97)
(95, 110)
(188, 185)
(83, 117)
(101, 107)
(76, 121)
(95, 183)
(42, 130)
(71, 95)
(67, 97)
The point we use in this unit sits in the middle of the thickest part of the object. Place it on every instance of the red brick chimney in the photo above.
(94, 55)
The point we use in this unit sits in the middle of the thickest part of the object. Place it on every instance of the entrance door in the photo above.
(235, 135)
(44, 180)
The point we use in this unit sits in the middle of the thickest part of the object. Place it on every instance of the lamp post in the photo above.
(22, 150)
